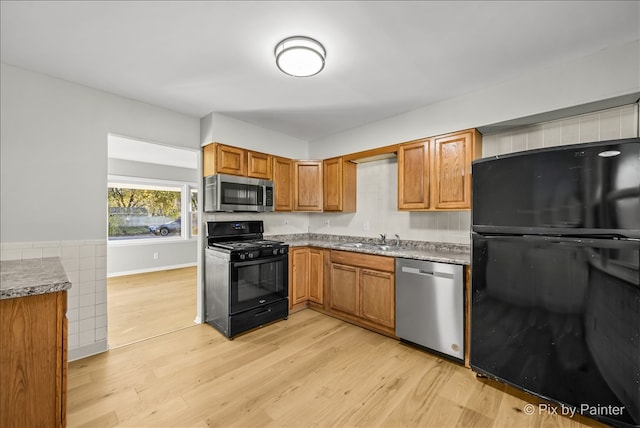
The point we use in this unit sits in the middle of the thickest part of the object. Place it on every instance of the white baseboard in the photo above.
(153, 269)
(87, 350)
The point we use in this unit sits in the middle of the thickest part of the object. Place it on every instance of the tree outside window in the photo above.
(138, 211)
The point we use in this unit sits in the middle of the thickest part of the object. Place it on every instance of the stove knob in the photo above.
(275, 251)
(242, 256)
(283, 250)
(250, 255)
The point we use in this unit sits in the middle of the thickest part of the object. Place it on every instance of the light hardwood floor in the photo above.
(309, 370)
(148, 304)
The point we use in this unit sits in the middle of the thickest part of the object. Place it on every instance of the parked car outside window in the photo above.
(166, 228)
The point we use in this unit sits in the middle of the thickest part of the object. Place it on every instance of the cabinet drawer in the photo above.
(381, 263)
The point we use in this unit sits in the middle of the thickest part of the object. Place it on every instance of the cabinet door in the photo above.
(344, 289)
(231, 160)
(451, 186)
(413, 175)
(332, 184)
(316, 277)
(307, 186)
(282, 184)
(259, 165)
(377, 297)
(339, 185)
(299, 276)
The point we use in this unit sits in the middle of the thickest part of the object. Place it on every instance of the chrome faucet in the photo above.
(384, 238)
(397, 240)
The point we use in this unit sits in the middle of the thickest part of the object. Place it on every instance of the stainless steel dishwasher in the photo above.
(430, 305)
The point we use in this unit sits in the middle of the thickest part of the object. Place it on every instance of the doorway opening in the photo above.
(152, 256)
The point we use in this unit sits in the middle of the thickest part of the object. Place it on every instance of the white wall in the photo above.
(217, 128)
(53, 175)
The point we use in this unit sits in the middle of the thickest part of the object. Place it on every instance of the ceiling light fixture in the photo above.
(300, 56)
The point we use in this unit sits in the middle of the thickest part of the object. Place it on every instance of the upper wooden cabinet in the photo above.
(452, 156)
(435, 173)
(222, 159)
(413, 175)
(339, 185)
(259, 165)
(307, 182)
(282, 184)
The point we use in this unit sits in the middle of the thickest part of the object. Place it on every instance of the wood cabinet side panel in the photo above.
(349, 186)
(30, 362)
(467, 316)
(209, 160)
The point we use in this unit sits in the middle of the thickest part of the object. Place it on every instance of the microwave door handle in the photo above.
(264, 195)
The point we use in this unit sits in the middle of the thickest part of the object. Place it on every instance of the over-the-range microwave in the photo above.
(223, 192)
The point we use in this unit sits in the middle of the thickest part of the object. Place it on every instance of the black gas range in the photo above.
(246, 277)
(242, 240)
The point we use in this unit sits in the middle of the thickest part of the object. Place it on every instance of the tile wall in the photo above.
(85, 264)
(610, 124)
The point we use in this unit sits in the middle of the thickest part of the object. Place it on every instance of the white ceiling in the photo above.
(383, 58)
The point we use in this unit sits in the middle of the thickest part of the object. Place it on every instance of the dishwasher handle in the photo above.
(416, 271)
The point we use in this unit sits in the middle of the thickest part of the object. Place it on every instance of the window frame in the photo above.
(186, 227)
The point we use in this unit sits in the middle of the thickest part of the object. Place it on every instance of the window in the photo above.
(152, 210)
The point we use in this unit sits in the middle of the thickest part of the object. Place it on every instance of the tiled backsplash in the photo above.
(85, 264)
(377, 212)
(611, 124)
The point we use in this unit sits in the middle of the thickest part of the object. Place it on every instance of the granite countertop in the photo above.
(417, 250)
(20, 278)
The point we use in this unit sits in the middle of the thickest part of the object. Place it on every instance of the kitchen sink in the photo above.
(372, 246)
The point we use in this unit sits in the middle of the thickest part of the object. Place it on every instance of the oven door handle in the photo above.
(259, 261)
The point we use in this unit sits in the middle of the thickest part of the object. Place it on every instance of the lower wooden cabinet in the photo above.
(355, 287)
(363, 289)
(306, 276)
(377, 297)
(345, 293)
(316, 275)
(33, 361)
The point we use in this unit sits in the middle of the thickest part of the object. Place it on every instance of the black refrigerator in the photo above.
(555, 306)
